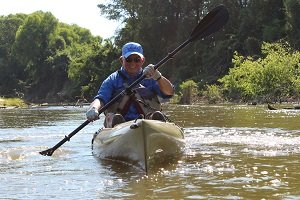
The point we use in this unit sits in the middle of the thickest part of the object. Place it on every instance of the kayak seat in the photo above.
(157, 115)
(117, 119)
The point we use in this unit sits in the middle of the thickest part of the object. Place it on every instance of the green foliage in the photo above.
(242, 78)
(275, 75)
(88, 71)
(7, 102)
(160, 26)
(292, 8)
(213, 94)
(45, 59)
(60, 61)
(31, 48)
(187, 90)
(189, 84)
(10, 70)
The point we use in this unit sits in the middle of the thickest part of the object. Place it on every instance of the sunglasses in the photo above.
(136, 60)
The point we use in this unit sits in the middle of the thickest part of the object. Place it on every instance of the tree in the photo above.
(32, 50)
(90, 69)
(60, 61)
(11, 72)
(160, 26)
(293, 22)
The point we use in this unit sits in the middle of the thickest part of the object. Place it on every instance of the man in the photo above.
(142, 100)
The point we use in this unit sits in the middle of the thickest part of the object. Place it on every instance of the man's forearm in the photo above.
(165, 86)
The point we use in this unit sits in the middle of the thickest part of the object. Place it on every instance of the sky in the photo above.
(84, 13)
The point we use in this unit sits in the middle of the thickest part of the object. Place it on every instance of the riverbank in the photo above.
(9, 103)
(12, 103)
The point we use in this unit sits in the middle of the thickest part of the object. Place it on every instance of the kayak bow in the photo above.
(145, 143)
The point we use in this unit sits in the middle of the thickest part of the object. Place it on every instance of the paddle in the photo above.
(211, 23)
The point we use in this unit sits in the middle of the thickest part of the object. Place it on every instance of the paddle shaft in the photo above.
(211, 23)
(50, 151)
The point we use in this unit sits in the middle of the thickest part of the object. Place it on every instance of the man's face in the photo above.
(132, 63)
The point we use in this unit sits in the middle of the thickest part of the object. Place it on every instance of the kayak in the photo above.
(144, 143)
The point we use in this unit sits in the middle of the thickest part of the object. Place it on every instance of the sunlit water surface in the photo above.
(232, 152)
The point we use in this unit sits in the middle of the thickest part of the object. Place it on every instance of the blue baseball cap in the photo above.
(132, 48)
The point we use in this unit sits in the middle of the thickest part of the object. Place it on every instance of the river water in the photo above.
(232, 152)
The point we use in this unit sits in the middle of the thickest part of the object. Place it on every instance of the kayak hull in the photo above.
(144, 143)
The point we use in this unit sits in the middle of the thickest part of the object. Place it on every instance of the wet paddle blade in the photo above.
(47, 152)
(211, 23)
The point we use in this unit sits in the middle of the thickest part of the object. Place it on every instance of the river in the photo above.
(232, 152)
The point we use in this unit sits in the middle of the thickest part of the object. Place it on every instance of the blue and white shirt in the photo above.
(116, 83)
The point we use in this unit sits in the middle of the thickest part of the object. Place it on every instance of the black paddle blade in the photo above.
(47, 152)
(211, 23)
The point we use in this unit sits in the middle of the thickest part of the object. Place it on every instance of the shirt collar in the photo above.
(128, 76)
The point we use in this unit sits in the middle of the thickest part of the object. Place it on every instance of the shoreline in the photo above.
(14, 103)
(11, 103)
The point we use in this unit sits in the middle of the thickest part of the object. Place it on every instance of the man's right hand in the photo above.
(92, 114)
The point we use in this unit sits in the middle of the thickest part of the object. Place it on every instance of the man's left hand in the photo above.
(150, 72)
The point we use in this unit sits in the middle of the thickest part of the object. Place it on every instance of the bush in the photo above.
(213, 94)
(187, 90)
(273, 77)
(8, 102)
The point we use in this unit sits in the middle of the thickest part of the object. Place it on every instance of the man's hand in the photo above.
(150, 72)
(92, 114)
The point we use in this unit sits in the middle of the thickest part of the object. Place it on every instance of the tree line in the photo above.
(42, 59)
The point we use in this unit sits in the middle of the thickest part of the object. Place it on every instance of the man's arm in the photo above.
(97, 104)
(165, 86)
(93, 112)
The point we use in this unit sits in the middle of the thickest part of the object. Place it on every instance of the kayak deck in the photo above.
(144, 143)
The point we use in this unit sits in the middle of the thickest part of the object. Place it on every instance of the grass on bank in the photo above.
(12, 102)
